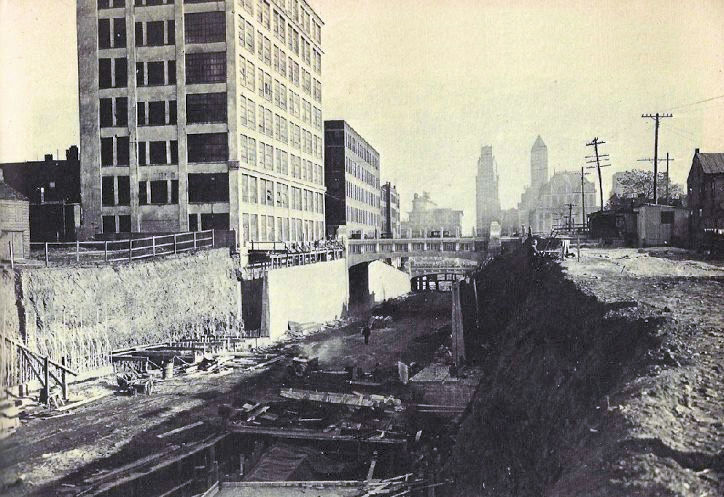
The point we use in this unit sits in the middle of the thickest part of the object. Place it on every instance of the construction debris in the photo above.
(356, 399)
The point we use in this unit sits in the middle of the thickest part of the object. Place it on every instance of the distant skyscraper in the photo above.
(487, 199)
(538, 165)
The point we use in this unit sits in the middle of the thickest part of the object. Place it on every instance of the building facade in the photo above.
(14, 223)
(201, 114)
(390, 211)
(705, 188)
(487, 200)
(538, 177)
(559, 202)
(352, 178)
(427, 219)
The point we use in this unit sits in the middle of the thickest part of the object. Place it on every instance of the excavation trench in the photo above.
(554, 361)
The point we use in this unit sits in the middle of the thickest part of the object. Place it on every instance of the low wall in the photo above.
(83, 312)
(312, 293)
(386, 282)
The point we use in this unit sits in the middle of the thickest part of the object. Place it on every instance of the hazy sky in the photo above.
(428, 82)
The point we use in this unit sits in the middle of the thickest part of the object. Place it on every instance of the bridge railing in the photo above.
(402, 245)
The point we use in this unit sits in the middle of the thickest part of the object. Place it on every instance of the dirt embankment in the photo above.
(582, 393)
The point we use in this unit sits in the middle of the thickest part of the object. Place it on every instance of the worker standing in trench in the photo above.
(366, 333)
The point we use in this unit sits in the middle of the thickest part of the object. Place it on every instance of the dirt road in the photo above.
(44, 454)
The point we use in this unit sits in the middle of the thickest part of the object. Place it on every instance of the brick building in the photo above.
(705, 188)
(352, 176)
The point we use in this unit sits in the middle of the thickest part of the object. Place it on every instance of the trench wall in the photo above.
(551, 357)
(386, 282)
(104, 307)
(313, 293)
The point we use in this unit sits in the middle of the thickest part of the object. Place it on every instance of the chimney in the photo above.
(696, 151)
(48, 157)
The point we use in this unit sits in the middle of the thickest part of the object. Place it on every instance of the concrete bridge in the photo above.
(367, 250)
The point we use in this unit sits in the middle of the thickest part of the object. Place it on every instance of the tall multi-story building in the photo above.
(390, 211)
(427, 219)
(538, 164)
(352, 177)
(201, 114)
(538, 177)
(487, 200)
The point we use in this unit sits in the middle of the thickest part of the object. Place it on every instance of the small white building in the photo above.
(659, 225)
(14, 223)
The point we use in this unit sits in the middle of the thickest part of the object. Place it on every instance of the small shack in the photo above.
(659, 225)
(14, 223)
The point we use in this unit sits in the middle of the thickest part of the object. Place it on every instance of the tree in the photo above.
(638, 185)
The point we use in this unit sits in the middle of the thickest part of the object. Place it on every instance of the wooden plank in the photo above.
(23, 347)
(181, 429)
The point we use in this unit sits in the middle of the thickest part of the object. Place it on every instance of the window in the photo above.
(104, 33)
(109, 224)
(107, 191)
(205, 27)
(207, 147)
(157, 114)
(106, 151)
(159, 192)
(105, 79)
(124, 191)
(119, 32)
(124, 224)
(106, 112)
(157, 152)
(156, 73)
(121, 113)
(206, 108)
(208, 187)
(154, 33)
(122, 150)
(207, 67)
(142, 193)
(140, 74)
(193, 222)
(214, 221)
(121, 72)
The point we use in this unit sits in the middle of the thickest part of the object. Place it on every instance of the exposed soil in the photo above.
(47, 456)
(601, 379)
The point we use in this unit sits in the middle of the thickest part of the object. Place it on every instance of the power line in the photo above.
(697, 102)
(657, 118)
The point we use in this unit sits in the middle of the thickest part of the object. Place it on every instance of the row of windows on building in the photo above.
(113, 73)
(265, 156)
(359, 194)
(287, 100)
(263, 191)
(362, 150)
(115, 4)
(255, 41)
(121, 223)
(268, 228)
(362, 216)
(309, 26)
(202, 188)
(358, 171)
(210, 147)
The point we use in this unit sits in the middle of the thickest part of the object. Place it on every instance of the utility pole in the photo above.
(667, 159)
(570, 214)
(583, 197)
(597, 160)
(656, 117)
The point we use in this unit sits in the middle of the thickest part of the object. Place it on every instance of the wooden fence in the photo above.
(110, 251)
